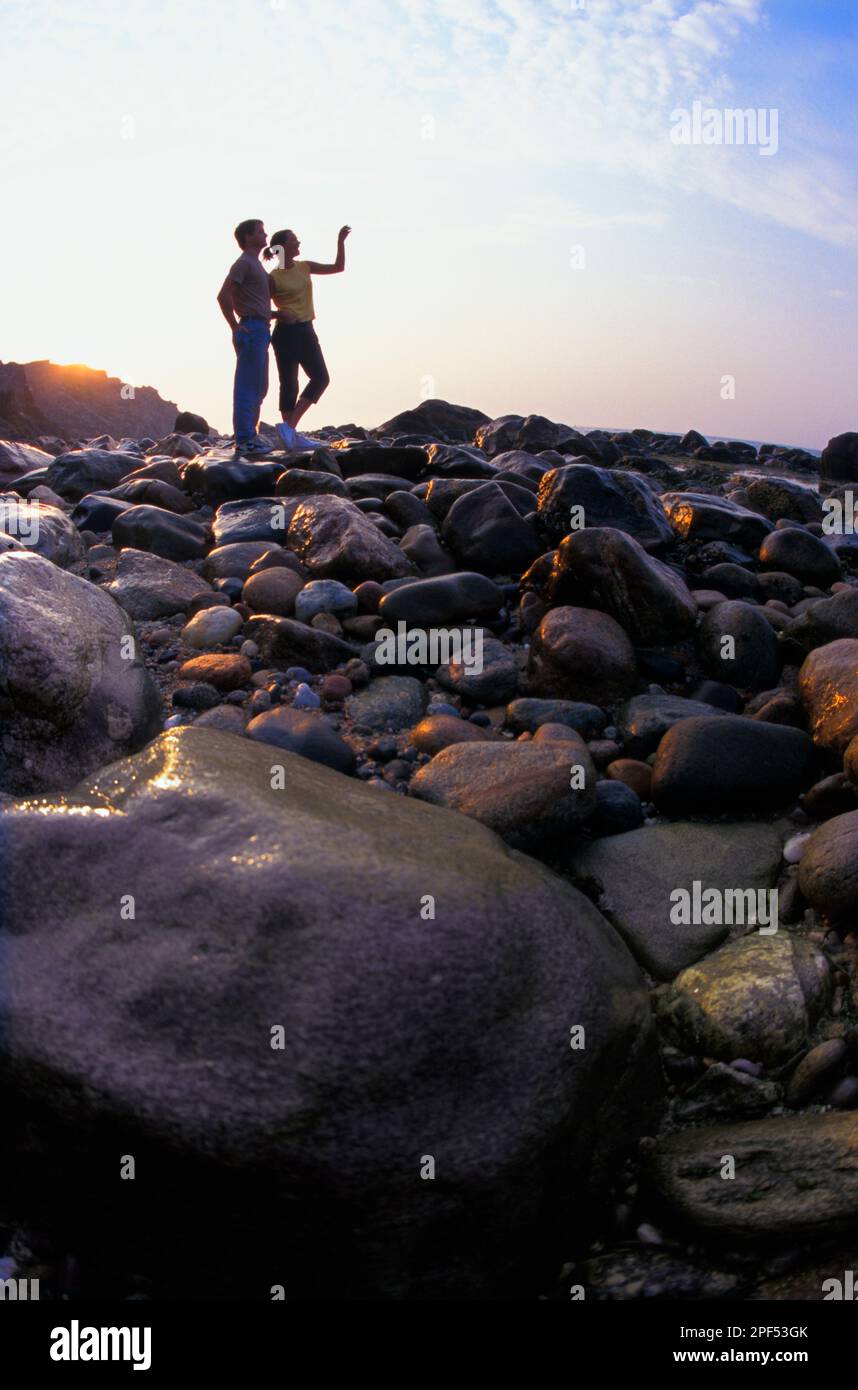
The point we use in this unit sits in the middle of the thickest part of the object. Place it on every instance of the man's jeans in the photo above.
(250, 340)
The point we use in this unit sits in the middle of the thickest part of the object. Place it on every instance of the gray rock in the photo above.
(73, 694)
(41, 528)
(526, 715)
(18, 459)
(388, 703)
(758, 997)
(494, 684)
(325, 596)
(404, 1037)
(163, 533)
(211, 627)
(486, 532)
(254, 519)
(829, 620)
(796, 1178)
(304, 733)
(148, 587)
(779, 498)
(636, 873)
(234, 561)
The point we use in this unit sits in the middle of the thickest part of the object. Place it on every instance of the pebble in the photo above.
(305, 698)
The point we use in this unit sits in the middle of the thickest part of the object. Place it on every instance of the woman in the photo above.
(294, 338)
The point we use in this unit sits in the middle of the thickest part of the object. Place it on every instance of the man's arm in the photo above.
(317, 268)
(226, 300)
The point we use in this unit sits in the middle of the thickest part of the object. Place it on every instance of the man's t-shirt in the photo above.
(292, 290)
(251, 291)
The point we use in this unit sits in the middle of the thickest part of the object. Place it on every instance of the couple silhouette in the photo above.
(245, 299)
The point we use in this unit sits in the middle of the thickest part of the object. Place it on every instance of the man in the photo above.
(245, 302)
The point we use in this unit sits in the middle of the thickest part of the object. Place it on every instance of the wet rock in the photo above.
(446, 599)
(302, 482)
(161, 533)
(336, 541)
(796, 1178)
(149, 587)
(798, 552)
(485, 532)
(241, 891)
(636, 873)
(217, 478)
(73, 693)
(609, 498)
(578, 653)
(272, 590)
(520, 790)
(234, 561)
(390, 702)
(729, 765)
(80, 471)
(749, 657)
(325, 596)
(41, 528)
(758, 997)
(828, 681)
(260, 519)
(604, 568)
(695, 516)
(425, 551)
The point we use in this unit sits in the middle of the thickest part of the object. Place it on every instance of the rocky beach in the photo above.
(429, 863)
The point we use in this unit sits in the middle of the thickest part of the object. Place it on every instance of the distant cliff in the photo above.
(41, 398)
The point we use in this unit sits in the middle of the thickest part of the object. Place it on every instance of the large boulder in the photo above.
(796, 551)
(161, 532)
(335, 540)
(18, 459)
(73, 694)
(603, 568)
(609, 497)
(326, 998)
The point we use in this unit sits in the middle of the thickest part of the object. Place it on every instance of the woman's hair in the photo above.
(278, 239)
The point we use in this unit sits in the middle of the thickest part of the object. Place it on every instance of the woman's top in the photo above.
(292, 290)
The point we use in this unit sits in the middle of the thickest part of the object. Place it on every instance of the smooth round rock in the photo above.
(325, 596)
(273, 590)
(580, 654)
(716, 765)
(211, 627)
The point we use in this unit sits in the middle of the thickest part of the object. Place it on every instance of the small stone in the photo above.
(305, 698)
(212, 627)
(223, 672)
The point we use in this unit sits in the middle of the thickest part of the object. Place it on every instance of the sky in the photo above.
(530, 233)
